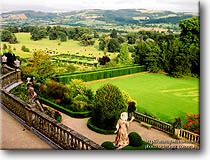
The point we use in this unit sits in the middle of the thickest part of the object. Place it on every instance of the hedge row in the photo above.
(76, 61)
(98, 130)
(102, 74)
(73, 55)
(95, 70)
(65, 110)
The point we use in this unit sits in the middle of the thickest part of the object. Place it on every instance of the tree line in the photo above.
(176, 54)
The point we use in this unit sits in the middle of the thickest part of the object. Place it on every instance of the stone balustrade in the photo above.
(61, 135)
(187, 135)
(168, 128)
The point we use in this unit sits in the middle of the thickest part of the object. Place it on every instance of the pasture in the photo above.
(159, 95)
(68, 47)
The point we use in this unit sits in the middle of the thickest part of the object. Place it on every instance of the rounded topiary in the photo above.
(108, 105)
(108, 145)
(135, 139)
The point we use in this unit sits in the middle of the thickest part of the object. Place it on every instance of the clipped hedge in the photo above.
(95, 70)
(143, 146)
(108, 145)
(65, 110)
(135, 139)
(102, 74)
(98, 130)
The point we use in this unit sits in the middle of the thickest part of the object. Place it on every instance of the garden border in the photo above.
(65, 110)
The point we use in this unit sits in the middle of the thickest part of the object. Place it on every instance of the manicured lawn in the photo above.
(69, 46)
(163, 96)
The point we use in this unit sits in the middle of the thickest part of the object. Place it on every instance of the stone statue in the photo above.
(122, 139)
(32, 96)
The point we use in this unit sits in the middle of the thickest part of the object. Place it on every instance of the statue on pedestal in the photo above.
(32, 96)
(122, 139)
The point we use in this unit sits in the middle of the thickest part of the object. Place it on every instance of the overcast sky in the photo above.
(69, 5)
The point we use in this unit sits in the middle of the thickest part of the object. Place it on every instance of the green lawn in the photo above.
(69, 46)
(160, 95)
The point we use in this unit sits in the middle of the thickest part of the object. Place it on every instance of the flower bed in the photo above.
(65, 110)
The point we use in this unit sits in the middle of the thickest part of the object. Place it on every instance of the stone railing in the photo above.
(160, 125)
(168, 128)
(6, 69)
(10, 78)
(60, 134)
(187, 135)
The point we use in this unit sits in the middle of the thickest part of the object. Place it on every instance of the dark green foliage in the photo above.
(57, 116)
(10, 58)
(190, 37)
(98, 130)
(101, 74)
(144, 146)
(4, 46)
(7, 36)
(87, 39)
(108, 145)
(38, 33)
(135, 139)
(24, 49)
(131, 38)
(64, 109)
(21, 92)
(142, 49)
(124, 55)
(109, 104)
(63, 37)
(113, 45)
(52, 35)
(113, 34)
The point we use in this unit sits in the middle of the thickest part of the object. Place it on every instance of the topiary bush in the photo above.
(108, 105)
(135, 139)
(108, 145)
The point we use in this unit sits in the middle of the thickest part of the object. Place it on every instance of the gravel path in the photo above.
(158, 138)
(15, 136)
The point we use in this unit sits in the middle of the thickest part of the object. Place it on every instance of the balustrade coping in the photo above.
(54, 122)
(153, 119)
(6, 75)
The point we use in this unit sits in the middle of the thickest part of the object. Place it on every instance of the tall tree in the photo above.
(113, 34)
(113, 45)
(190, 37)
(124, 55)
(7, 36)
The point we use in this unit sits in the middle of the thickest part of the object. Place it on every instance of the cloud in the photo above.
(174, 5)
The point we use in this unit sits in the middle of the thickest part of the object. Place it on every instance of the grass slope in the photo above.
(160, 95)
(70, 46)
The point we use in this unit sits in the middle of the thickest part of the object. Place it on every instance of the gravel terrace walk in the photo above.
(15, 136)
(152, 135)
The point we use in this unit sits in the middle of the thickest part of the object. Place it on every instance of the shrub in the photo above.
(57, 116)
(98, 130)
(108, 145)
(108, 105)
(135, 139)
(77, 86)
(57, 91)
(24, 49)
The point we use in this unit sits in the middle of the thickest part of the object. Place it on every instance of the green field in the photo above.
(69, 46)
(159, 95)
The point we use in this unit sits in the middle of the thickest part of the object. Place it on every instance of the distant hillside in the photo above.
(97, 18)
